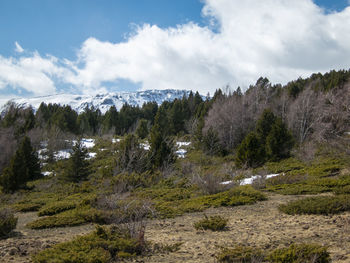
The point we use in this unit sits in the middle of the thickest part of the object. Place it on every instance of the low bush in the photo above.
(190, 202)
(300, 254)
(214, 223)
(8, 222)
(73, 217)
(101, 246)
(240, 254)
(27, 207)
(56, 208)
(323, 205)
(296, 253)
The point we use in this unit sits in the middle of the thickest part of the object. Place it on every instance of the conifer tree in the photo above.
(162, 147)
(142, 128)
(77, 169)
(24, 166)
(279, 142)
(251, 151)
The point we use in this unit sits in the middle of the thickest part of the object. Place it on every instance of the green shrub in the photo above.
(27, 207)
(168, 204)
(8, 222)
(214, 223)
(342, 190)
(296, 253)
(240, 254)
(101, 246)
(298, 189)
(318, 205)
(300, 254)
(56, 208)
(69, 218)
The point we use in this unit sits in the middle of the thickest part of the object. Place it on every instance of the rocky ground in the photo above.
(260, 225)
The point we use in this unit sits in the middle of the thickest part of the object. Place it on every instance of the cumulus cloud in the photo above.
(243, 40)
(33, 74)
(279, 39)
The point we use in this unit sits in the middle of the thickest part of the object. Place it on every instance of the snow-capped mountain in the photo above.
(103, 101)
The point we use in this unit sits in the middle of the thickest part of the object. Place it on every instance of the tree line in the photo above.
(261, 124)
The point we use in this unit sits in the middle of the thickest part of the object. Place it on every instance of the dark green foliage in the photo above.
(101, 246)
(142, 129)
(279, 141)
(162, 147)
(23, 167)
(131, 156)
(211, 143)
(271, 141)
(21, 119)
(77, 168)
(8, 222)
(300, 254)
(322, 205)
(110, 120)
(264, 124)
(89, 121)
(214, 223)
(250, 152)
(240, 254)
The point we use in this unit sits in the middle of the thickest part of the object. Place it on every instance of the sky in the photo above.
(90, 46)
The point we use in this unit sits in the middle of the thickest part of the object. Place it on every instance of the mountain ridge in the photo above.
(102, 101)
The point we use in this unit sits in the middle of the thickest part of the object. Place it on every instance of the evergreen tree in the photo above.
(131, 156)
(176, 117)
(24, 166)
(162, 147)
(264, 124)
(251, 151)
(211, 142)
(142, 128)
(279, 142)
(77, 168)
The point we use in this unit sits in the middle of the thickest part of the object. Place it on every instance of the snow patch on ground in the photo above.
(91, 155)
(47, 173)
(63, 154)
(87, 143)
(250, 180)
(146, 146)
(180, 144)
(115, 140)
(181, 153)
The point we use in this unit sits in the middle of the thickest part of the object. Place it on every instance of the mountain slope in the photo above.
(104, 101)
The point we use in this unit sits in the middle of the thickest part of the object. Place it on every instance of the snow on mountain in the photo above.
(103, 101)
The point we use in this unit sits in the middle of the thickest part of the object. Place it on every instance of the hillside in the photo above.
(256, 176)
(103, 101)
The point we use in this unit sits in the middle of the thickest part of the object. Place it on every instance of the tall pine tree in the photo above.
(24, 166)
(77, 169)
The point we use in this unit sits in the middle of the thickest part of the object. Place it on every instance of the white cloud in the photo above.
(279, 39)
(18, 48)
(34, 74)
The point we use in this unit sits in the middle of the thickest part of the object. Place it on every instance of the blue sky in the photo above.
(59, 27)
(84, 46)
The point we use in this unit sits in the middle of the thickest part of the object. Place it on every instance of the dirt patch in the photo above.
(260, 225)
(25, 241)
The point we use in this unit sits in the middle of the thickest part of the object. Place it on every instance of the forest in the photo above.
(290, 140)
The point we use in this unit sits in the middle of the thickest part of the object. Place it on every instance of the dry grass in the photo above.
(260, 225)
